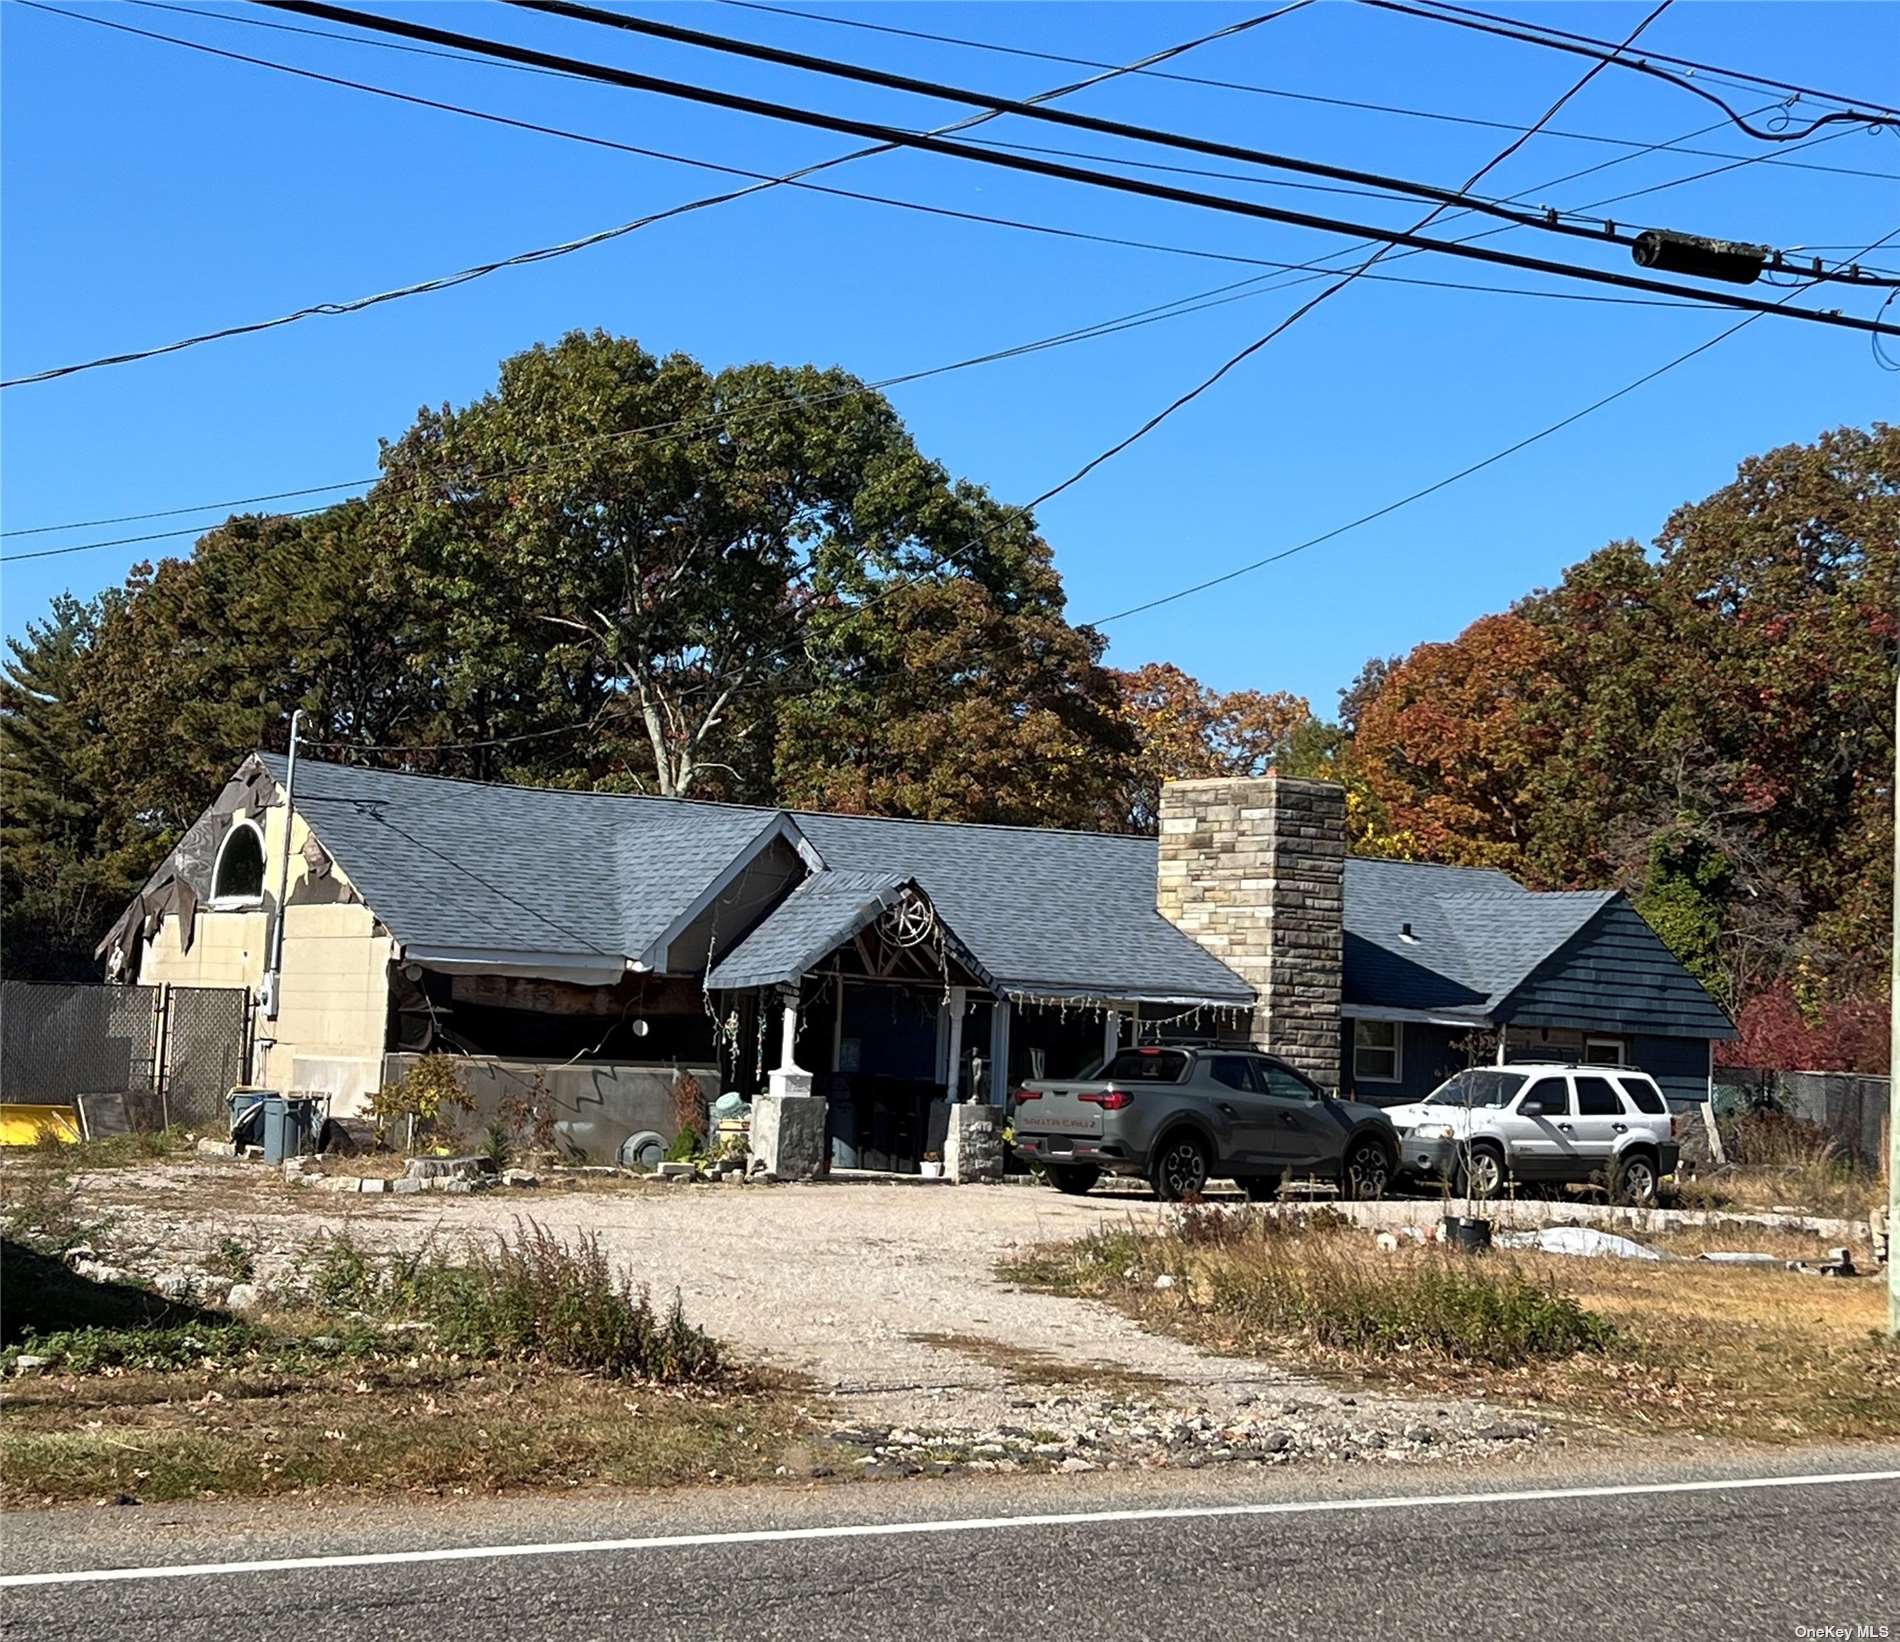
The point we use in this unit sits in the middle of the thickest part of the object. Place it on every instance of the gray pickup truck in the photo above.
(1178, 1117)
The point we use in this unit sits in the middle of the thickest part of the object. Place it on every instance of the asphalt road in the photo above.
(1417, 1553)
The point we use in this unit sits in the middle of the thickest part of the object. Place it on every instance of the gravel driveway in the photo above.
(883, 1298)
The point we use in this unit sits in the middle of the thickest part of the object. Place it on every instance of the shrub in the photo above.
(532, 1297)
(232, 1258)
(426, 1095)
(1271, 1278)
(690, 1110)
(685, 1147)
(497, 1146)
(529, 1120)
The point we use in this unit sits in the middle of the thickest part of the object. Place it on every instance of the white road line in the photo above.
(962, 1525)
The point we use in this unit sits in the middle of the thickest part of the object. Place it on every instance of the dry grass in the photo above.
(1743, 1352)
(416, 1424)
(1024, 1365)
(530, 1363)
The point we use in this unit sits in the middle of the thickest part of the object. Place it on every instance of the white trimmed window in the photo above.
(1376, 1047)
(237, 879)
(1602, 1051)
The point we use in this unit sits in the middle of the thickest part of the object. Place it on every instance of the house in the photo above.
(598, 946)
(1447, 964)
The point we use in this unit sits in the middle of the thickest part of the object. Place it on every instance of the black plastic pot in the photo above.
(1467, 1232)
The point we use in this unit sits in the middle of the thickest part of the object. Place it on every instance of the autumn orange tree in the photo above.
(1182, 730)
(1707, 724)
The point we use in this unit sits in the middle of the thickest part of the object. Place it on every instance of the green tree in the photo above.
(64, 865)
(654, 551)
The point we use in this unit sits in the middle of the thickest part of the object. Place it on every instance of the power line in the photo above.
(688, 92)
(765, 181)
(1197, 302)
(1208, 583)
(601, 236)
(1441, 6)
(1337, 286)
(1176, 308)
(1256, 89)
(1070, 119)
(1575, 46)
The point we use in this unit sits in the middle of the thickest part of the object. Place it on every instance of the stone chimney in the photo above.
(1254, 870)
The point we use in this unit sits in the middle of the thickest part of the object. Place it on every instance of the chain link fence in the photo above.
(169, 1052)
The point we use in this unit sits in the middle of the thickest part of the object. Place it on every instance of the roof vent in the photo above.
(1405, 934)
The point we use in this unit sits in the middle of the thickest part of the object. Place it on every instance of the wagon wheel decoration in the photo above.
(908, 922)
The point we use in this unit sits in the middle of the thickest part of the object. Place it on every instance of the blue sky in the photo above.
(150, 192)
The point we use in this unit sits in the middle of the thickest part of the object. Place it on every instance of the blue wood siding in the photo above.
(1680, 1066)
(1426, 1058)
(1616, 976)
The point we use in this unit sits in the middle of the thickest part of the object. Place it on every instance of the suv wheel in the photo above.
(1367, 1170)
(1073, 1178)
(1481, 1174)
(1635, 1180)
(1180, 1169)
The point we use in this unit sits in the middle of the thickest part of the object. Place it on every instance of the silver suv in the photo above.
(1489, 1125)
(1178, 1116)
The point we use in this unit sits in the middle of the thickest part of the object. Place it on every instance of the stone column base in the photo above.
(973, 1146)
(788, 1129)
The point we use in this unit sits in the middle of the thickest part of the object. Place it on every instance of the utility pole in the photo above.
(274, 975)
(1893, 1047)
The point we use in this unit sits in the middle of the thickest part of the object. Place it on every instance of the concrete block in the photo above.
(788, 1131)
(973, 1143)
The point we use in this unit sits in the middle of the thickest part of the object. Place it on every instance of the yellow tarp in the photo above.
(22, 1125)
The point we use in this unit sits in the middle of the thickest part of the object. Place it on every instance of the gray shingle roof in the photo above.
(448, 863)
(1476, 934)
(1485, 948)
(1046, 913)
(526, 870)
(818, 917)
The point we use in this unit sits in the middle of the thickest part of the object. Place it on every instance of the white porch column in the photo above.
(999, 1053)
(788, 1077)
(1111, 1033)
(954, 1071)
(788, 1032)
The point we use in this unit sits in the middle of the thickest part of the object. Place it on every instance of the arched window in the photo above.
(239, 872)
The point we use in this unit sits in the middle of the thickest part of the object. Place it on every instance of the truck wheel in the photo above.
(1073, 1178)
(1180, 1170)
(1480, 1176)
(1634, 1180)
(1367, 1170)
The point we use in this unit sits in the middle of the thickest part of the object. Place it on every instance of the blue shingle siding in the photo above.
(1429, 1053)
(1680, 1066)
(1615, 975)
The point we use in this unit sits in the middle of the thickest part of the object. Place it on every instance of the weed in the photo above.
(42, 1210)
(230, 1257)
(532, 1298)
(497, 1145)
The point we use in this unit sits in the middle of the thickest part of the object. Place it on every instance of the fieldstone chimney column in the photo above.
(1254, 870)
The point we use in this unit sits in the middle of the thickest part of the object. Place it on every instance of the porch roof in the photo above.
(817, 918)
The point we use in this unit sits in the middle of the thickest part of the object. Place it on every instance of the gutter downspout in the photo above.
(274, 975)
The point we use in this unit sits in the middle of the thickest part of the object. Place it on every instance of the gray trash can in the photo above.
(290, 1126)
